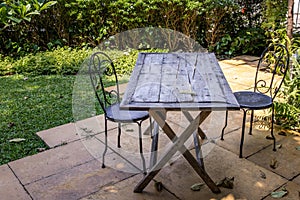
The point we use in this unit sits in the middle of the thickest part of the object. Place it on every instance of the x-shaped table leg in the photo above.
(178, 145)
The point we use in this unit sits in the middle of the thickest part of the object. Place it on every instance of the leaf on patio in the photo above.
(278, 146)
(298, 148)
(274, 163)
(269, 137)
(280, 193)
(262, 175)
(129, 130)
(227, 182)
(17, 140)
(10, 124)
(41, 149)
(197, 186)
(158, 186)
(283, 133)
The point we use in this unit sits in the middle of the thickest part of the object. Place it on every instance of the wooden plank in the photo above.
(133, 80)
(205, 87)
(148, 82)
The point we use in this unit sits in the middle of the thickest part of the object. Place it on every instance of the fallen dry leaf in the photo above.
(41, 149)
(269, 137)
(278, 146)
(273, 163)
(283, 133)
(227, 182)
(10, 124)
(17, 140)
(280, 193)
(262, 175)
(197, 186)
(158, 186)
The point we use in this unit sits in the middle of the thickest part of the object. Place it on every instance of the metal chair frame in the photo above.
(101, 66)
(274, 59)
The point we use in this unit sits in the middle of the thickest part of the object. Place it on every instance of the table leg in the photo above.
(177, 146)
(197, 143)
(154, 145)
(198, 150)
(190, 118)
(192, 161)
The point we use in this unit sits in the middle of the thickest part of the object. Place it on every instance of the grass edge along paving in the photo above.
(29, 105)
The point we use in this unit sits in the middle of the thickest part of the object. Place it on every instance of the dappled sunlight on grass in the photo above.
(29, 105)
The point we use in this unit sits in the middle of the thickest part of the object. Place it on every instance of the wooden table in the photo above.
(165, 82)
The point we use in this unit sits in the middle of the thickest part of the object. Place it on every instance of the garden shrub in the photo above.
(60, 61)
(82, 23)
(288, 108)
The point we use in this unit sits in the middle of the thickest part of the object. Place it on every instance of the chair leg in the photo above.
(272, 132)
(154, 145)
(223, 130)
(105, 150)
(251, 122)
(151, 127)
(119, 135)
(243, 134)
(141, 148)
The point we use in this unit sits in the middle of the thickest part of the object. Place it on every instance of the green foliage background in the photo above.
(82, 23)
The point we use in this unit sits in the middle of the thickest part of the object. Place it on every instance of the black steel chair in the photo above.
(274, 62)
(100, 68)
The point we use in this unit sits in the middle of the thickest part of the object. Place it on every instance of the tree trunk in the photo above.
(290, 19)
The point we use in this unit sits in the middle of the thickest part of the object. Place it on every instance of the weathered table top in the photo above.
(176, 81)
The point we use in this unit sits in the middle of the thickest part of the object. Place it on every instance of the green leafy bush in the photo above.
(288, 109)
(60, 61)
(250, 41)
(86, 23)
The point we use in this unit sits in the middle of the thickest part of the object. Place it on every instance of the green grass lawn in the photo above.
(29, 105)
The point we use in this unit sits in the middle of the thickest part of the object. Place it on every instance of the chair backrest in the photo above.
(271, 70)
(101, 71)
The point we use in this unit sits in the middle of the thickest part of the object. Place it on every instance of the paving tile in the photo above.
(219, 163)
(252, 143)
(126, 158)
(224, 64)
(297, 180)
(287, 157)
(124, 190)
(293, 192)
(234, 121)
(10, 187)
(59, 135)
(92, 126)
(117, 158)
(239, 87)
(76, 182)
(242, 60)
(44, 164)
(242, 75)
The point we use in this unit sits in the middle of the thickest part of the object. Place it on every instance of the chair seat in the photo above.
(114, 113)
(253, 100)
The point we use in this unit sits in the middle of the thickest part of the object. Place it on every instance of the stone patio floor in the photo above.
(71, 168)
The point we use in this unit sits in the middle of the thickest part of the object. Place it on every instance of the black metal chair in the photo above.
(273, 61)
(100, 68)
